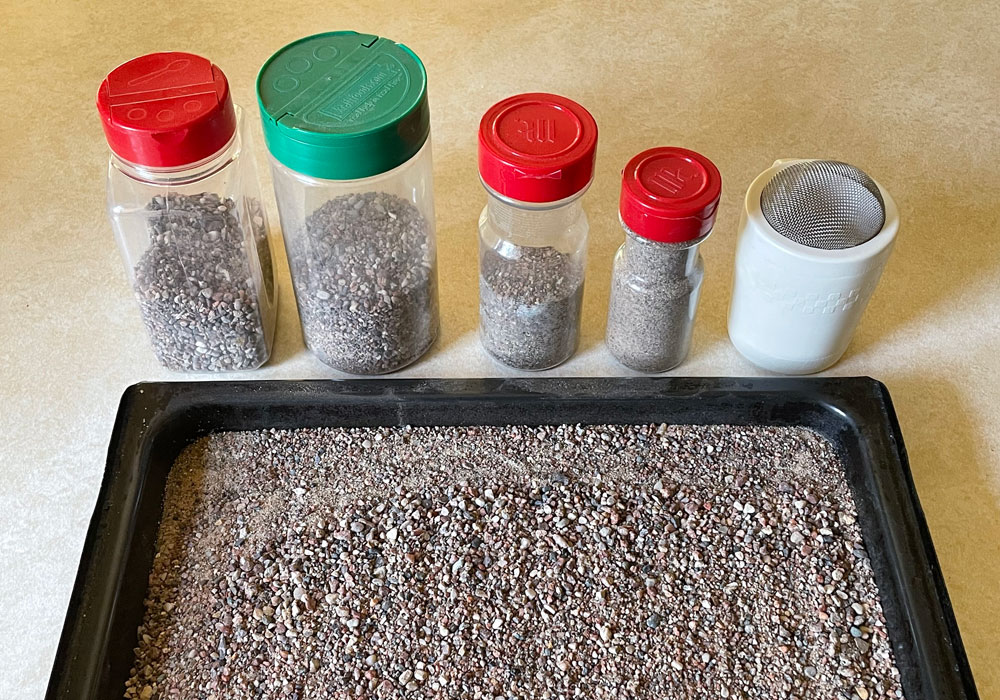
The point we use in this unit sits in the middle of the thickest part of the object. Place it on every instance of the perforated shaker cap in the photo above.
(670, 194)
(537, 147)
(343, 105)
(823, 204)
(166, 109)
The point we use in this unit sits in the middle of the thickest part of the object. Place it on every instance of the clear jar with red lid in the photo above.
(536, 161)
(668, 203)
(185, 205)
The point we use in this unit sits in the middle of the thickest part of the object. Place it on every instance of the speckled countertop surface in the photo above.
(905, 90)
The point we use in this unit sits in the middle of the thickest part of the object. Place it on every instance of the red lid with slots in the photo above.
(537, 147)
(670, 194)
(166, 109)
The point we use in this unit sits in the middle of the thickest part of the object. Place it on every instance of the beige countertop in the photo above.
(907, 91)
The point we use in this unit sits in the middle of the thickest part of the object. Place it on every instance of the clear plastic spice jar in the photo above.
(184, 202)
(536, 160)
(668, 202)
(347, 125)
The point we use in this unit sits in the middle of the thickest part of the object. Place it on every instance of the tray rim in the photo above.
(862, 404)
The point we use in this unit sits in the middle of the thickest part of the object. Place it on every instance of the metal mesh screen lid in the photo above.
(823, 204)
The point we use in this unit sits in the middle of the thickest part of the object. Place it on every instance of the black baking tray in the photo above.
(155, 421)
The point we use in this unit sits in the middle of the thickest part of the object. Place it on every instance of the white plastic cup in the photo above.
(794, 308)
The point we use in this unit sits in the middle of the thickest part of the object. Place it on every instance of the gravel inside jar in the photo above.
(365, 283)
(651, 309)
(195, 286)
(605, 561)
(529, 306)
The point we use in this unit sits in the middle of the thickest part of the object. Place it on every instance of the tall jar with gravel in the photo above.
(347, 126)
(184, 203)
(536, 161)
(669, 198)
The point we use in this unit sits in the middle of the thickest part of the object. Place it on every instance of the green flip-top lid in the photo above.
(343, 105)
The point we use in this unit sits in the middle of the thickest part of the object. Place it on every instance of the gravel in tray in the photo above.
(592, 562)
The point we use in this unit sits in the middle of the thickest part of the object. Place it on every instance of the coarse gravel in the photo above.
(648, 561)
(364, 274)
(197, 283)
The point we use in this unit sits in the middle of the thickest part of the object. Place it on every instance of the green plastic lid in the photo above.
(343, 105)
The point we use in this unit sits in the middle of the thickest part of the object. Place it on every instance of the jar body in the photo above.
(531, 272)
(363, 263)
(654, 295)
(196, 246)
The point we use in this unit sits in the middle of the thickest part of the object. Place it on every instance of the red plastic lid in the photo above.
(166, 109)
(670, 194)
(537, 147)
